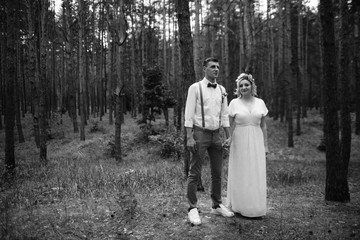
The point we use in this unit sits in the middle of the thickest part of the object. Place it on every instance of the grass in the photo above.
(83, 193)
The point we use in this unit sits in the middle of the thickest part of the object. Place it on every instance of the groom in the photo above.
(206, 111)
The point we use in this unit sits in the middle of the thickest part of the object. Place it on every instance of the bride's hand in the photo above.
(227, 143)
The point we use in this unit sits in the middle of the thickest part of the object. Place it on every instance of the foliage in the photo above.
(156, 95)
(95, 127)
(172, 145)
(148, 130)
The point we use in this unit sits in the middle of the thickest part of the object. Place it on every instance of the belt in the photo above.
(205, 130)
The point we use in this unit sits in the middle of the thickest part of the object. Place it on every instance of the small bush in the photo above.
(148, 130)
(171, 145)
(94, 127)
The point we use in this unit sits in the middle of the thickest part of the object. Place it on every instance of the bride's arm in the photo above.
(230, 132)
(264, 130)
(232, 125)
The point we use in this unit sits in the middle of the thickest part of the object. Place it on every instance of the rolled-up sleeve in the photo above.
(190, 106)
(225, 113)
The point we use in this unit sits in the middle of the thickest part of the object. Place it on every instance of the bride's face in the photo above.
(245, 87)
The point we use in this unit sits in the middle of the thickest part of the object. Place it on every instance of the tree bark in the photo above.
(187, 60)
(295, 62)
(197, 42)
(357, 68)
(120, 37)
(17, 92)
(82, 86)
(12, 25)
(249, 35)
(345, 126)
(289, 73)
(333, 187)
(43, 119)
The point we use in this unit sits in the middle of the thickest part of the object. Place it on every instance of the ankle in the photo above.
(190, 208)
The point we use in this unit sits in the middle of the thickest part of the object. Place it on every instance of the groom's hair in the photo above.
(210, 59)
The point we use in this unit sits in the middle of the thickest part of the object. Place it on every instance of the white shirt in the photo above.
(215, 106)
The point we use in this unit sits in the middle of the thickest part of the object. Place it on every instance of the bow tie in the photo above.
(212, 85)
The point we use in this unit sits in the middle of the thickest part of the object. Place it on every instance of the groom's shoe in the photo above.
(223, 211)
(194, 217)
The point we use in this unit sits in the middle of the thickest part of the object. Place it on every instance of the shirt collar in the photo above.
(206, 81)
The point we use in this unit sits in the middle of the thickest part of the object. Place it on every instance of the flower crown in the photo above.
(243, 76)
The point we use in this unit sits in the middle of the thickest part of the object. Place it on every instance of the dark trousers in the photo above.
(205, 141)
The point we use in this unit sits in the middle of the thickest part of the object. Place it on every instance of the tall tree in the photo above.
(249, 35)
(197, 42)
(241, 38)
(187, 60)
(118, 27)
(334, 188)
(345, 126)
(2, 60)
(357, 65)
(11, 28)
(133, 71)
(295, 61)
(298, 63)
(17, 89)
(226, 56)
(42, 53)
(289, 72)
(82, 86)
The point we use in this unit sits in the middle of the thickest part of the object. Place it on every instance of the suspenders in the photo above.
(202, 106)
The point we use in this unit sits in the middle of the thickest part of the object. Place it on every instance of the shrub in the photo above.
(171, 144)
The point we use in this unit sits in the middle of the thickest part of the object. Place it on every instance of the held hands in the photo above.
(191, 145)
(227, 143)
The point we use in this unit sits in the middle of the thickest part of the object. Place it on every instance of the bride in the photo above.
(246, 187)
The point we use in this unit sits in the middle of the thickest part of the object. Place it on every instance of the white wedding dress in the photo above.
(246, 186)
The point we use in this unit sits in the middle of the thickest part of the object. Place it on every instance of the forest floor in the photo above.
(83, 193)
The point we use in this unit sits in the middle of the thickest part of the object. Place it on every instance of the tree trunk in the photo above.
(295, 62)
(249, 35)
(334, 187)
(43, 41)
(299, 79)
(2, 70)
(345, 126)
(357, 69)
(289, 72)
(241, 39)
(32, 69)
(307, 78)
(197, 42)
(120, 37)
(17, 93)
(133, 71)
(12, 25)
(226, 55)
(280, 79)
(82, 86)
(187, 60)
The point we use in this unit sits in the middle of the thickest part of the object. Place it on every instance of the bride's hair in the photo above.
(245, 76)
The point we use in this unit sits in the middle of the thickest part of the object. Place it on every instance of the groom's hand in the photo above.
(191, 144)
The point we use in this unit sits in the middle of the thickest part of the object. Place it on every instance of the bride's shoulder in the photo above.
(235, 100)
(259, 99)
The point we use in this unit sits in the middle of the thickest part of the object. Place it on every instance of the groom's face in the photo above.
(211, 70)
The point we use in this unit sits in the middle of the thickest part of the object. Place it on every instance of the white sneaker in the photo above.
(194, 217)
(223, 211)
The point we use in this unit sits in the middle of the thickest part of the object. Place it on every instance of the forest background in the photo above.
(123, 67)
